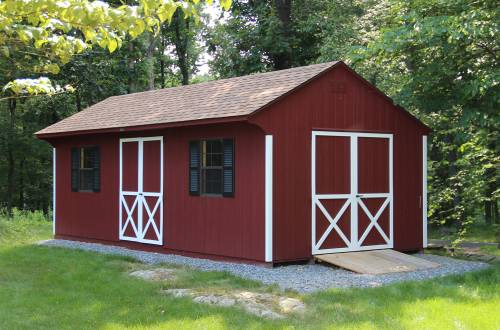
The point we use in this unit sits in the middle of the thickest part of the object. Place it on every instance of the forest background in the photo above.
(436, 58)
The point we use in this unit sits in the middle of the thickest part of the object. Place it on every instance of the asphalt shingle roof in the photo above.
(231, 97)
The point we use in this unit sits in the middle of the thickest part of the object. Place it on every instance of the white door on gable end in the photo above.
(352, 191)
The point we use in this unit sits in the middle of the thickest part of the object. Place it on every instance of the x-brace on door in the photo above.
(141, 190)
(352, 191)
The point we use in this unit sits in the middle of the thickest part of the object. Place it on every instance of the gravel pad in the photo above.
(301, 278)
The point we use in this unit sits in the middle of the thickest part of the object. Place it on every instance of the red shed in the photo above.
(272, 167)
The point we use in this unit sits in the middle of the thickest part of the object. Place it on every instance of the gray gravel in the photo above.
(301, 278)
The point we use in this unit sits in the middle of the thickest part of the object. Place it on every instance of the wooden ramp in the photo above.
(376, 261)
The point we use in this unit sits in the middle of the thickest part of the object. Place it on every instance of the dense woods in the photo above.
(438, 59)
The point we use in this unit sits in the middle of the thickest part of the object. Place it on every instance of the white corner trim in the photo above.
(53, 191)
(269, 198)
(313, 192)
(424, 190)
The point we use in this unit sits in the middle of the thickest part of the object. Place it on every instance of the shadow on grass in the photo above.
(42, 287)
(469, 300)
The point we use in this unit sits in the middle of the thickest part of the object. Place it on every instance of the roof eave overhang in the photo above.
(151, 127)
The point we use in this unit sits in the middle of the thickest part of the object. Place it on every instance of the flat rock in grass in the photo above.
(177, 293)
(224, 301)
(291, 305)
(158, 274)
(264, 305)
(262, 311)
(475, 253)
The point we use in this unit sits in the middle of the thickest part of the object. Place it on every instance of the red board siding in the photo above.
(333, 240)
(333, 165)
(373, 165)
(130, 158)
(225, 227)
(151, 179)
(338, 101)
(373, 237)
(87, 214)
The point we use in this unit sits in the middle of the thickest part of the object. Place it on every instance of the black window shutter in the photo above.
(194, 168)
(228, 168)
(75, 168)
(97, 169)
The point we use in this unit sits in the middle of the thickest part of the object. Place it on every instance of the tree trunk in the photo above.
(20, 173)
(78, 100)
(181, 46)
(45, 209)
(10, 158)
(130, 68)
(151, 62)
(21, 184)
(488, 206)
(452, 172)
(162, 58)
(490, 176)
(283, 60)
(496, 218)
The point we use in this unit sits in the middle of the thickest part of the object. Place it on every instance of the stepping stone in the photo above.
(177, 293)
(158, 274)
(261, 304)
(291, 305)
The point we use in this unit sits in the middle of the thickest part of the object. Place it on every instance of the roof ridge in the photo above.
(216, 99)
(326, 64)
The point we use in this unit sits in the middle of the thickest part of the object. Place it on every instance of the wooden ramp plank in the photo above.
(418, 263)
(376, 262)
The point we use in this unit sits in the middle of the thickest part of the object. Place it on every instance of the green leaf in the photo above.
(112, 45)
(226, 4)
(89, 34)
(102, 43)
(53, 68)
(39, 43)
(5, 51)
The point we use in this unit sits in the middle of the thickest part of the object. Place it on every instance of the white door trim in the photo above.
(353, 199)
(269, 198)
(54, 191)
(424, 191)
(140, 198)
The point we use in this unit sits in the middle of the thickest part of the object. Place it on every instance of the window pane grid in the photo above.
(87, 158)
(86, 179)
(85, 169)
(212, 181)
(211, 169)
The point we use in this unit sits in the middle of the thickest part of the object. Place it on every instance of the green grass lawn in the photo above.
(476, 233)
(493, 250)
(55, 288)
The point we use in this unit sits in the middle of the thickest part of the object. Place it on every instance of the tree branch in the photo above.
(16, 97)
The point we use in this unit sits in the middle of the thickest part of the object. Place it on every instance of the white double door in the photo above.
(352, 191)
(141, 190)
